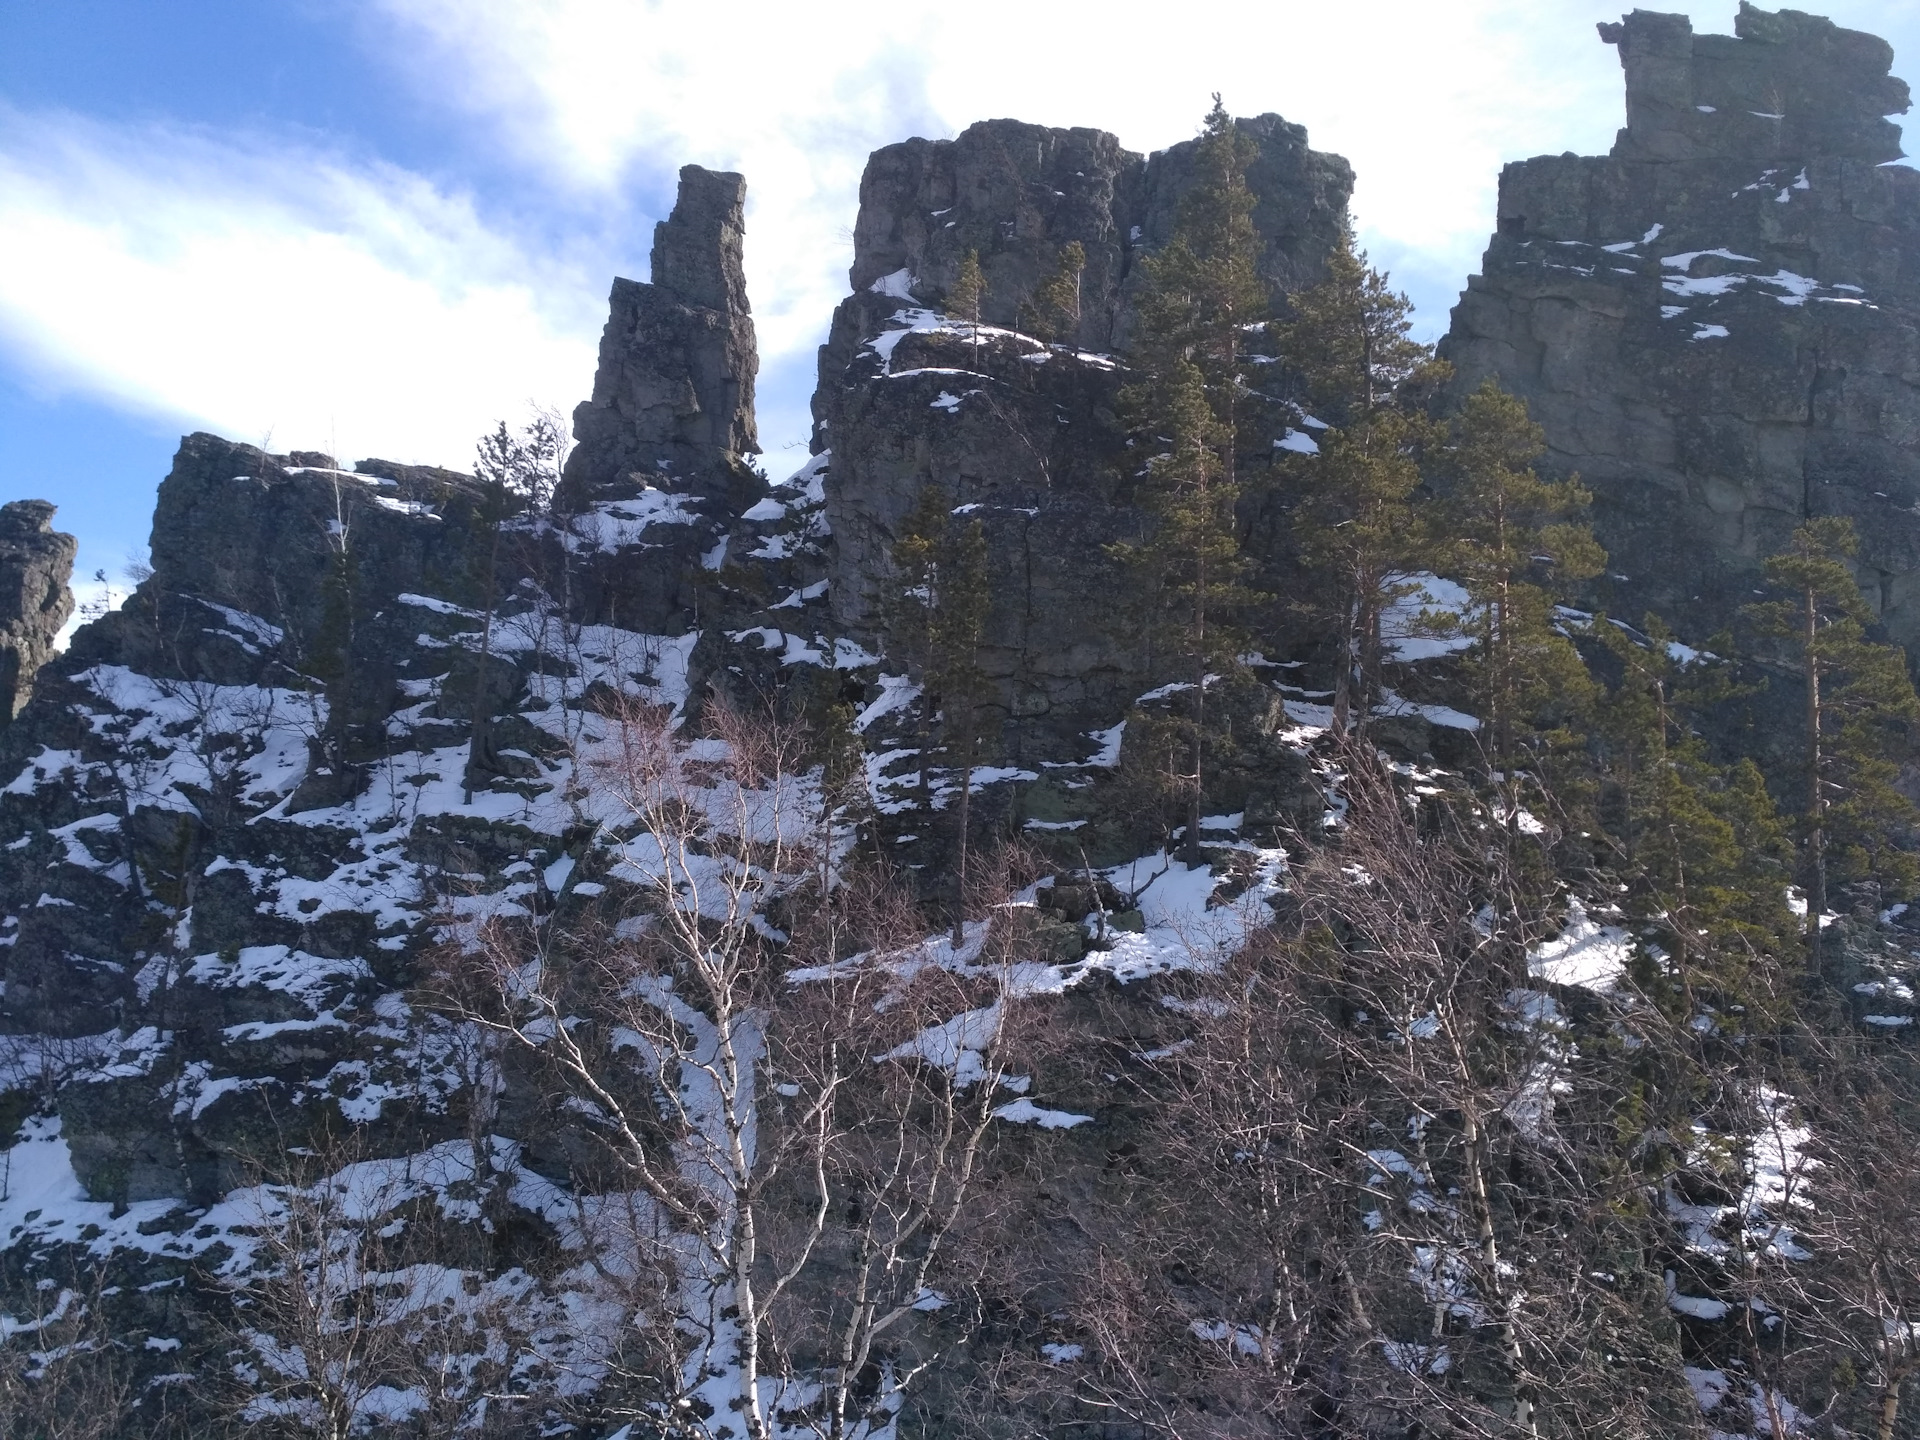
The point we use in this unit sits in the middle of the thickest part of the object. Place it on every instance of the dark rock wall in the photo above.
(1026, 432)
(36, 562)
(1017, 193)
(1718, 323)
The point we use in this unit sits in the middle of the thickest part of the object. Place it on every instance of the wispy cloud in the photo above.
(256, 286)
(1426, 99)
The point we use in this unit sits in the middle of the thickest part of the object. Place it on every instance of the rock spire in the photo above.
(672, 399)
(36, 563)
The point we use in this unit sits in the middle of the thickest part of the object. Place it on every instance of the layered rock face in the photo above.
(239, 811)
(1021, 433)
(674, 392)
(1716, 322)
(36, 562)
(667, 438)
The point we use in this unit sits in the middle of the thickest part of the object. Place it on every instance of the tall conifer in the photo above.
(1860, 710)
(1513, 543)
(1054, 313)
(938, 616)
(1347, 339)
(1346, 346)
(1697, 847)
(969, 290)
(1202, 292)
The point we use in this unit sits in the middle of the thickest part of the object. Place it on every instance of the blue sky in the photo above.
(373, 226)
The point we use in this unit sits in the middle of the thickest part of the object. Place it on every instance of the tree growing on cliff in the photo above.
(1860, 710)
(1190, 570)
(518, 474)
(1361, 533)
(1356, 477)
(969, 289)
(1054, 312)
(1347, 341)
(1202, 292)
(1695, 844)
(940, 609)
(1514, 543)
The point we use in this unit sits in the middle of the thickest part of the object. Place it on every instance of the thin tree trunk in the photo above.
(1475, 1138)
(1343, 669)
(960, 892)
(1889, 1419)
(1191, 849)
(1816, 793)
(477, 745)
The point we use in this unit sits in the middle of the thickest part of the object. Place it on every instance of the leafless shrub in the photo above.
(792, 1091)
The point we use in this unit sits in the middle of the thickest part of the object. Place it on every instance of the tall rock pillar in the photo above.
(36, 564)
(672, 400)
(662, 461)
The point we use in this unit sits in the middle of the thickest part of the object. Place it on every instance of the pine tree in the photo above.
(1359, 531)
(1203, 289)
(1347, 340)
(1355, 518)
(910, 610)
(1697, 846)
(1054, 312)
(1191, 563)
(1512, 546)
(517, 474)
(939, 616)
(966, 297)
(969, 290)
(1859, 712)
(1202, 292)
(960, 615)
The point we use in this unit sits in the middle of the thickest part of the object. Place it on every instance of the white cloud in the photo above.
(257, 287)
(247, 283)
(1427, 99)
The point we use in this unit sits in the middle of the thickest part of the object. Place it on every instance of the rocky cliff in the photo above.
(1022, 433)
(239, 827)
(1718, 323)
(36, 562)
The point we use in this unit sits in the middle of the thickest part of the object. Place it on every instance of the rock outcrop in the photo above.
(666, 442)
(1022, 433)
(1718, 323)
(673, 397)
(36, 563)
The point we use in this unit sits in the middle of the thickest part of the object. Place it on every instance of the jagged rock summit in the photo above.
(1716, 323)
(1783, 86)
(673, 396)
(1020, 433)
(665, 445)
(36, 562)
